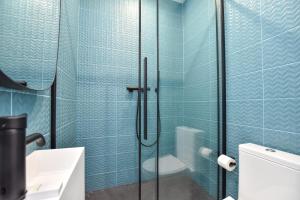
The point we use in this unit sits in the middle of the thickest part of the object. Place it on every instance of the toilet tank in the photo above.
(267, 174)
(187, 145)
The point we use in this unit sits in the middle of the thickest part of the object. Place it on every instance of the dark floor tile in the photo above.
(171, 188)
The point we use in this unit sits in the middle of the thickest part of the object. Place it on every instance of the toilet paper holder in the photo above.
(227, 162)
(232, 163)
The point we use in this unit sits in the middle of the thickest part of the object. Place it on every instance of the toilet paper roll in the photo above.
(205, 152)
(227, 163)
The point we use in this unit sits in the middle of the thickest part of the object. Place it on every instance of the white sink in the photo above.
(55, 174)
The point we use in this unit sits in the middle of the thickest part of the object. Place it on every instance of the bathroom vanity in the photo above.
(56, 174)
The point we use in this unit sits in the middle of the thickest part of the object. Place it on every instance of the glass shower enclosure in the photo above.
(177, 116)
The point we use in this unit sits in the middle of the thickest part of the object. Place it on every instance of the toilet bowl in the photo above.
(168, 165)
(186, 151)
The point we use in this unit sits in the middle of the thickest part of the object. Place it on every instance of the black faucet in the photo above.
(13, 141)
(39, 138)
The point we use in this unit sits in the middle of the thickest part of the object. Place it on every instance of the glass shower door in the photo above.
(178, 115)
(148, 112)
(189, 100)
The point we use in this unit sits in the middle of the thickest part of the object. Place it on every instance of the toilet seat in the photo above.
(167, 165)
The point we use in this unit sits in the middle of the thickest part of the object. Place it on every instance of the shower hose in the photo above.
(137, 125)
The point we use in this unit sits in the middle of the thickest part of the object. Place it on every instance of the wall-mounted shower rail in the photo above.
(145, 98)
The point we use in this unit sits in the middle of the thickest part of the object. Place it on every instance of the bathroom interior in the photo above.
(149, 99)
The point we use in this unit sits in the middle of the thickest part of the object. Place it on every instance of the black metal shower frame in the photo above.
(222, 96)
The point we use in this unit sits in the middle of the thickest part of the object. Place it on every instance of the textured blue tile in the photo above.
(126, 126)
(213, 131)
(127, 176)
(196, 57)
(282, 82)
(100, 181)
(127, 144)
(174, 64)
(283, 49)
(126, 109)
(213, 111)
(96, 110)
(66, 73)
(37, 108)
(243, 26)
(168, 78)
(280, 53)
(5, 106)
(242, 134)
(100, 164)
(127, 161)
(202, 125)
(197, 92)
(232, 181)
(245, 61)
(68, 136)
(213, 90)
(279, 16)
(166, 139)
(171, 94)
(248, 112)
(95, 128)
(284, 141)
(197, 74)
(169, 124)
(200, 110)
(246, 86)
(171, 109)
(282, 115)
(99, 146)
(87, 92)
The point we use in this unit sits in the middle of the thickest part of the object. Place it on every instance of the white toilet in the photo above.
(186, 148)
(267, 174)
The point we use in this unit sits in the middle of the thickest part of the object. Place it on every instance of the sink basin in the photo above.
(55, 174)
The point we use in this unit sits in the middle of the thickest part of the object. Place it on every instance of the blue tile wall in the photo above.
(37, 104)
(171, 74)
(105, 111)
(67, 74)
(200, 86)
(262, 53)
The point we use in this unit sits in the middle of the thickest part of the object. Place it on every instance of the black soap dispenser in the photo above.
(12, 157)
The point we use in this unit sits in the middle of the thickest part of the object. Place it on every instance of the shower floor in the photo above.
(171, 188)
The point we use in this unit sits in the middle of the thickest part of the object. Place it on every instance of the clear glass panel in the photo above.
(189, 100)
(149, 52)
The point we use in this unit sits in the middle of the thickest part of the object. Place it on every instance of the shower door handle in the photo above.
(145, 98)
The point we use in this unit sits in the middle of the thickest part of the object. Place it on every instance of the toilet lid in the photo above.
(167, 165)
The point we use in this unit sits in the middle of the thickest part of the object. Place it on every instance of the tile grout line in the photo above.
(262, 72)
(117, 138)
